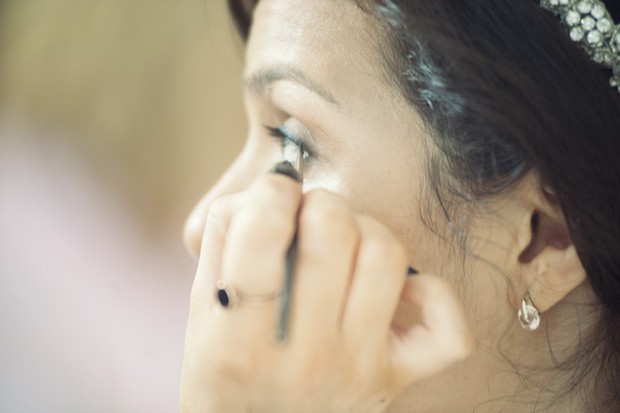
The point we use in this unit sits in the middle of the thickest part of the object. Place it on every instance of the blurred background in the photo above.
(115, 117)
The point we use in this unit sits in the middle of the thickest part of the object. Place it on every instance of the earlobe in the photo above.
(555, 273)
(552, 268)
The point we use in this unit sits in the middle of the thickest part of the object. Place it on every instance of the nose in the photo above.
(236, 179)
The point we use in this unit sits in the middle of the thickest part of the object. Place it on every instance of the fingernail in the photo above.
(286, 168)
(411, 272)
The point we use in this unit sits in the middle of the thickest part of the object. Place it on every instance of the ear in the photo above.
(550, 264)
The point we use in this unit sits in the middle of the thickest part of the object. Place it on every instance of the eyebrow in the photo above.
(260, 80)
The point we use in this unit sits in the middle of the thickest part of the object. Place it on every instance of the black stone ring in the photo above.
(229, 297)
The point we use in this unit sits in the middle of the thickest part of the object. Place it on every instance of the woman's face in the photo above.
(314, 70)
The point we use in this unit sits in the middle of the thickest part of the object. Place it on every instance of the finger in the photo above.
(208, 271)
(380, 273)
(202, 294)
(440, 335)
(259, 235)
(327, 241)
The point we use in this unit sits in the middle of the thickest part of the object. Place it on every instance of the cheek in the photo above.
(330, 181)
(396, 193)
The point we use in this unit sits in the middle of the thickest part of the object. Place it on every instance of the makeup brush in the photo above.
(291, 167)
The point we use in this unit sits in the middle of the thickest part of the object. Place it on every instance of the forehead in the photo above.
(332, 41)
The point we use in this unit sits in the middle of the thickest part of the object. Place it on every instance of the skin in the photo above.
(365, 338)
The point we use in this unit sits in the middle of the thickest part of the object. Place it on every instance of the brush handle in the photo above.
(286, 168)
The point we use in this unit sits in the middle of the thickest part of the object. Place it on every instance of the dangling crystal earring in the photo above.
(528, 315)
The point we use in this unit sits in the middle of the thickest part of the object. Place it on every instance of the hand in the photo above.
(345, 353)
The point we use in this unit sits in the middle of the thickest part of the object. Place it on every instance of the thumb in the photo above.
(435, 334)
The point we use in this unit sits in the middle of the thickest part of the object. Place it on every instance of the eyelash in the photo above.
(283, 137)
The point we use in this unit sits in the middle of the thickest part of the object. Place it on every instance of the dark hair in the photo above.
(503, 90)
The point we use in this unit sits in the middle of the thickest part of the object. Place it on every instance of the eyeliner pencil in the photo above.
(295, 172)
(285, 298)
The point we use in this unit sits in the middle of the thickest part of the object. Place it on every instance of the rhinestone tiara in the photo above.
(590, 24)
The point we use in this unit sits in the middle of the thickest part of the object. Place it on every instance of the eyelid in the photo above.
(284, 135)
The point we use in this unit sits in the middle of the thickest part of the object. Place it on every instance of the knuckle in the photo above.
(279, 184)
(462, 345)
(382, 246)
(218, 213)
(219, 207)
(323, 209)
(260, 218)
